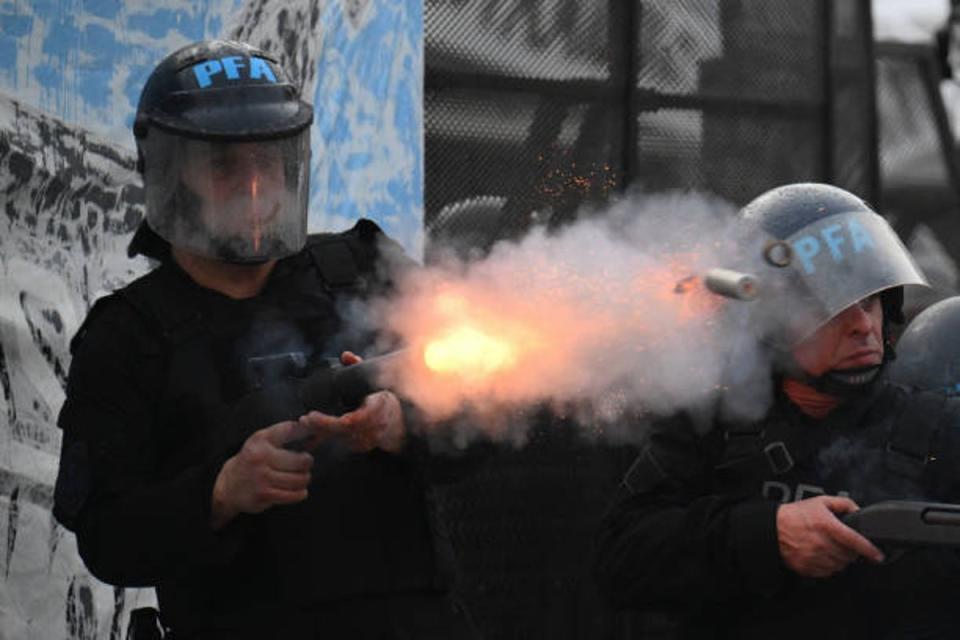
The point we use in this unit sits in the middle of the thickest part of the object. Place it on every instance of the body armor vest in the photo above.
(875, 453)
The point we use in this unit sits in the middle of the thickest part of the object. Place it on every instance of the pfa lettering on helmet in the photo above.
(841, 240)
(848, 256)
(223, 71)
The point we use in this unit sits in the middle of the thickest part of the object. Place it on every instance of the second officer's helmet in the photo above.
(826, 249)
(928, 352)
(223, 145)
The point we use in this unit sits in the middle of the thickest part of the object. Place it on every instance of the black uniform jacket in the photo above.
(144, 440)
(695, 530)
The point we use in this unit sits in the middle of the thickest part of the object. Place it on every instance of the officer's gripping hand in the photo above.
(814, 542)
(377, 424)
(262, 474)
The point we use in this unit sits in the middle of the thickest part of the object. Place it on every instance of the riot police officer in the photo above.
(738, 531)
(162, 484)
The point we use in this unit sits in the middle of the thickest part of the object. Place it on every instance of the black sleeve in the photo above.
(132, 520)
(672, 542)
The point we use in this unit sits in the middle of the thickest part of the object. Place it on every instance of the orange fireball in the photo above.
(470, 353)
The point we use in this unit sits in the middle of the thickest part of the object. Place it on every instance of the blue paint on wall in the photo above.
(63, 39)
(159, 23)
(8, 49)
(98, 47)
(48, 76)
(406, 119)
(14, 26)
(371, 89)
(336, 183)
(356, 161)
(45, 7)
(397, 189)
(108, 9)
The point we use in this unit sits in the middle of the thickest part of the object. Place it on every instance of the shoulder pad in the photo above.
(142, 301)
(100, 307)
(349, 259)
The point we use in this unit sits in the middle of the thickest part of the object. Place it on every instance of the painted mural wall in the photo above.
(70, 198)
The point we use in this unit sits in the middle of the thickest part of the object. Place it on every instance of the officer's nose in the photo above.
(857, 318)
(246, 173)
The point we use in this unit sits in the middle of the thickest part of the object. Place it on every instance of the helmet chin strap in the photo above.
(840, 383)
(845, 383)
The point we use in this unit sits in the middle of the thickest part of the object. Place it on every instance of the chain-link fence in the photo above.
(535, 107)
(919, 168)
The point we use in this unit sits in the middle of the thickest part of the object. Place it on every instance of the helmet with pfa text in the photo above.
(223, 146)
(826, 250)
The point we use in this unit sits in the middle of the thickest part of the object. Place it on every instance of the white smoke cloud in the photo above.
(601, 320)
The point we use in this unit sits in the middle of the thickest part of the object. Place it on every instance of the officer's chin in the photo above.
(244, 260)
(241, 251)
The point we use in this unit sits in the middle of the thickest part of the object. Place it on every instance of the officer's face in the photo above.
(240, 185)
(852, 339)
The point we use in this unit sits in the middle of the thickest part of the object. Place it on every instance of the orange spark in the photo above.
(257, 225)
(685, 285)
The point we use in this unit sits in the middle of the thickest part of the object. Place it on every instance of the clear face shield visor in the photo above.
(231, 201)
(835, 263)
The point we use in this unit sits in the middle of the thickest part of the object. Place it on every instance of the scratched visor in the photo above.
(232, 201)
(840, 260)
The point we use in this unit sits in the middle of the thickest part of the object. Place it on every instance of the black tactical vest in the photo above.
(871, 449)
(364, 528)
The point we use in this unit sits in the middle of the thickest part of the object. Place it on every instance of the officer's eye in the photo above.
(221, 162)
(869, 303)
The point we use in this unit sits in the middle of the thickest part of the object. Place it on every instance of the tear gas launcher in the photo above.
(333, 389)
(901, 524)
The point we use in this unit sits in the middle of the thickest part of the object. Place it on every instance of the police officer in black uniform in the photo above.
(737, 530)
(242, 535)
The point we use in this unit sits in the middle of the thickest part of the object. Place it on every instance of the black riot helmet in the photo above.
(223, 146)
(826, 250)
(928, 352)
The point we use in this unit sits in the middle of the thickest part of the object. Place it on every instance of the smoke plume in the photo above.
(602, 319)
